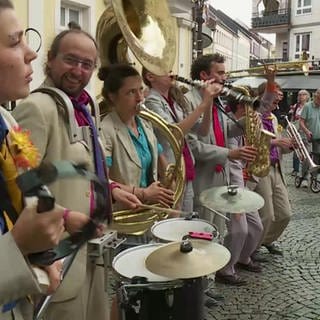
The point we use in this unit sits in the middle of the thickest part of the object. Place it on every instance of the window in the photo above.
(303, 7)
(70, 13)
(302, 44)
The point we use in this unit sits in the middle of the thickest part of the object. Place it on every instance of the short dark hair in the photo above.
(114, 75)
(6, 4)
(55, 45)
(203, 63)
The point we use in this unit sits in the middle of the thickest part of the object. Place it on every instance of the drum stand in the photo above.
(105, 247)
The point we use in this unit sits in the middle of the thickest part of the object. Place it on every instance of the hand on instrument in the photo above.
(75, 221)
(210, 91)
(155, 193)
(270, 72)
(34, 232)
(247, 153)
(54, 273)
(127, 199)
(284, 143)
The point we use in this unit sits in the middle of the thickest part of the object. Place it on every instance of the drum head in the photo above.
(175, 229)
(131, 262)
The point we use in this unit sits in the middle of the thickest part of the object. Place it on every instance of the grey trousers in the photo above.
(243, 237)
(276, 212)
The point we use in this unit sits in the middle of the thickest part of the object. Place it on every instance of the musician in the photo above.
(134, 156)
(276, 212)
(169, 103)
(31, 232)
(72, 58)
(244, 229)
(211, 151)
(294, 116)
(310, 124)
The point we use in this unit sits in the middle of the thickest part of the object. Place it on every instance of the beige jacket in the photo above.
(126, 166)
(48, 125)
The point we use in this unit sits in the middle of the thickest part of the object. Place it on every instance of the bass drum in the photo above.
(143, 295)
(175, 229)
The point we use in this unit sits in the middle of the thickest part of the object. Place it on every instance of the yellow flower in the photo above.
(23, 151)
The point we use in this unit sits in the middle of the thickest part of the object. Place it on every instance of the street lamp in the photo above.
(197, 15)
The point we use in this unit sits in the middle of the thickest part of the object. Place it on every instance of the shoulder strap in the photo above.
(76, 133)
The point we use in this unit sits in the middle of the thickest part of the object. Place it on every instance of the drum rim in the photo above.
(177, 219)
(122, 253)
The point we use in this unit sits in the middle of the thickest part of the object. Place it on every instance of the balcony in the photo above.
(271, 22)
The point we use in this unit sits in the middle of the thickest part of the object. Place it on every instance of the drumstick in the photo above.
(174, 211)
(165, 210)
(216, 212)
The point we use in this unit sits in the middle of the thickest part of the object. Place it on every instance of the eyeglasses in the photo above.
(73, 61)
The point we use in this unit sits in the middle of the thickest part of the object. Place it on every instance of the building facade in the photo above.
(219, 33)
(295, 23)
(49, 17)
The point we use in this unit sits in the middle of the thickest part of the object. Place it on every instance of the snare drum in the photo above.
(175, 229)
(143, 295)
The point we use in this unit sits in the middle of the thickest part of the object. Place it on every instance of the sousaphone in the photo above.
(147, 29)
(145, 26)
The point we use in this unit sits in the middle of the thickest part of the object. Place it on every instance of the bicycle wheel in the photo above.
(315, 185)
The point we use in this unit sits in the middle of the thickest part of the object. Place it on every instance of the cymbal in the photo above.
(231, 199)
(187, 259)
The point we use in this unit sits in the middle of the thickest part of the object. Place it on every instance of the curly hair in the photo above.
(203, 63)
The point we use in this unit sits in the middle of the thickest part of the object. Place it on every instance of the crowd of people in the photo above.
(119, 145)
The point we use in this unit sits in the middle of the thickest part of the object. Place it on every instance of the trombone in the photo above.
(282, 68)
(299, 146)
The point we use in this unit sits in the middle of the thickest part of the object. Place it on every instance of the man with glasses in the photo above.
(67, 131)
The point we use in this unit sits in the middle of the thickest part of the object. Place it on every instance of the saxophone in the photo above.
(257, 137)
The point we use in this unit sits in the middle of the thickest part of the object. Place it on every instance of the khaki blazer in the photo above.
(48, 125)
(17, 279)
(207, 154)
(126, 166)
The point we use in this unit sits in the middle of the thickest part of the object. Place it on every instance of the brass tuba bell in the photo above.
(145, 26)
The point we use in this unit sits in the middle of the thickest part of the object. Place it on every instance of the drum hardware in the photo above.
(98, 246)
(231, 199)
(177, 229)
(192, 215)
(187, 259)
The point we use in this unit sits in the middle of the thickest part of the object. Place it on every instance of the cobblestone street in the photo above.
(289, 286)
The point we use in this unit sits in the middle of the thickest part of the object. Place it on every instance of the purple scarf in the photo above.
(84, 118)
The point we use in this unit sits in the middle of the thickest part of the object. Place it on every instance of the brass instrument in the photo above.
(257, 137)
(299, 147)
(148, 30)
(282, 68)
(145, 26)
